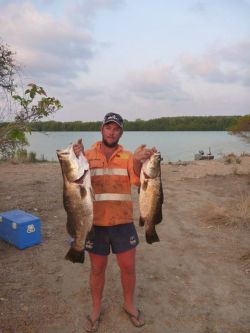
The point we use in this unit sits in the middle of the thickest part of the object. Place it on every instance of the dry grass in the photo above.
(245, 262)
(244, 206)
(217, 215)
(232, 158)
(244, 154)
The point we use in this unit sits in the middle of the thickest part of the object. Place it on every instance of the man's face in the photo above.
(111, 134)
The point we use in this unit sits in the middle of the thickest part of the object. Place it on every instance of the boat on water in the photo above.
(201, 155)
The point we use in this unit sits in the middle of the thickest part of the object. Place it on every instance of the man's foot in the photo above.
(92, 325)
(136, 319)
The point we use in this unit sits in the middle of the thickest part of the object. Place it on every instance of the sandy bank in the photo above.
(196, 279)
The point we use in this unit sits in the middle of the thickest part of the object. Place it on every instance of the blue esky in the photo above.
(141, 58)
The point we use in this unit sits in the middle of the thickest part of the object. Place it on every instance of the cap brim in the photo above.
(112, 121)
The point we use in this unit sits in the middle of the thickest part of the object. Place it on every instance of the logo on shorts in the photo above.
(89, 245)
(132, 240)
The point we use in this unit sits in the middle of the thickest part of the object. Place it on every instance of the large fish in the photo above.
(77, 200)
(151, 196)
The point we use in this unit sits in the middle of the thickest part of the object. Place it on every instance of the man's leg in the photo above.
(126, 261)
(97, 280)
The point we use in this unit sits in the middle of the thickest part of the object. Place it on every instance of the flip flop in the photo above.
(92, 325)
(137, 321)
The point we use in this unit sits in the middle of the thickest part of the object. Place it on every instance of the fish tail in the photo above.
(151, 236)
(75, 256)
(141, 222)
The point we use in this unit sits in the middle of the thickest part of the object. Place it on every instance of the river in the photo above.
(173, 146)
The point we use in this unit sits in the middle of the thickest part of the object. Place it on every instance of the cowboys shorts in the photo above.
(119, 238)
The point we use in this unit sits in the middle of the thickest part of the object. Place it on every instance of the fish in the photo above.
(151, 196)
(78, 199)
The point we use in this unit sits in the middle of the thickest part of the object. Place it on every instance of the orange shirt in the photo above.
(111, 181)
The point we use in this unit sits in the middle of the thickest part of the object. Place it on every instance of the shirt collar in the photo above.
(97, 146)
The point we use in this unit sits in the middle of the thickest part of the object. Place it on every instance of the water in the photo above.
(173, 146)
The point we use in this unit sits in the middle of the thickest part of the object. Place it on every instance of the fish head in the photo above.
(63, 155)
(73, 168)
(67, 166)
(151, 167)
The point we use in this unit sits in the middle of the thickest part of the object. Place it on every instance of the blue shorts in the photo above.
(120, 238)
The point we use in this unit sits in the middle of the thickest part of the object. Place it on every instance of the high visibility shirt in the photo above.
(111, 181)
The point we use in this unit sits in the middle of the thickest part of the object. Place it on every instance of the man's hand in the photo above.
(78, 148)
(142, 153)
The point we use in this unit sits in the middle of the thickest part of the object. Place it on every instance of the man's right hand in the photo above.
(78, 148)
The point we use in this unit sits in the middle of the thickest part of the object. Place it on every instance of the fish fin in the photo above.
(75, 256)
(161, 194)
(83, 192)
(151, 236)
(71, 230)
(144, 185)
(141, 222)
(91, 232)
(92, 193)
(158, 216)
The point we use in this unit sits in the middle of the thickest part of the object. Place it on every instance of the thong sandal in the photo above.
(137, 321)
(92, 325)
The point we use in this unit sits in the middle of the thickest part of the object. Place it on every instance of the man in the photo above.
(113, 170)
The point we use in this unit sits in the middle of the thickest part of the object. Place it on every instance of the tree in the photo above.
(242, 126)
(32, 106)
(7, 68)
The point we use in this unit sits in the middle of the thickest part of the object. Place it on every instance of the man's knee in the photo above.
(98, 270)
(127, 268)
(98, 264)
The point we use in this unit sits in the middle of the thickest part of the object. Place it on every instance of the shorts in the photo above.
(120, 238)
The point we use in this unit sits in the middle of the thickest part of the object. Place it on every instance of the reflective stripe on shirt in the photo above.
(109, 172)
(113, 196)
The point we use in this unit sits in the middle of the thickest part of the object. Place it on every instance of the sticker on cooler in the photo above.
(31, 228)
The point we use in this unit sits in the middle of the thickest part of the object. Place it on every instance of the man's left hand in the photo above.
(143, 153)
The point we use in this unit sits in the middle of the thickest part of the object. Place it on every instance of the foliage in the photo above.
(212, 123)
(242, 126)
(12, 135)
(29, 108)
(21, 155)
(31, 111)
(7, 68)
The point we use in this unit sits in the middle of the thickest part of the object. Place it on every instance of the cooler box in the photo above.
(20, 229)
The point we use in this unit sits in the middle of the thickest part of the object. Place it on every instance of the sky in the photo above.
(143, 59)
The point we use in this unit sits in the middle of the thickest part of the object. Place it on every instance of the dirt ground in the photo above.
(196, 279)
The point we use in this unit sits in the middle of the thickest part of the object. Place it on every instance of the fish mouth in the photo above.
(81, 179)
(61, 154)
(145, 175)
(150, 177)
(157, 156)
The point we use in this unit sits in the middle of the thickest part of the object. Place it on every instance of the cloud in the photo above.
(90, 7)
(45, 45)
(83, 11)
(198, 6)
(157, 82)
(225, 65)
(205, 6)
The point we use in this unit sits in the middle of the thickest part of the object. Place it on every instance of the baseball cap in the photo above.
(113, 117)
